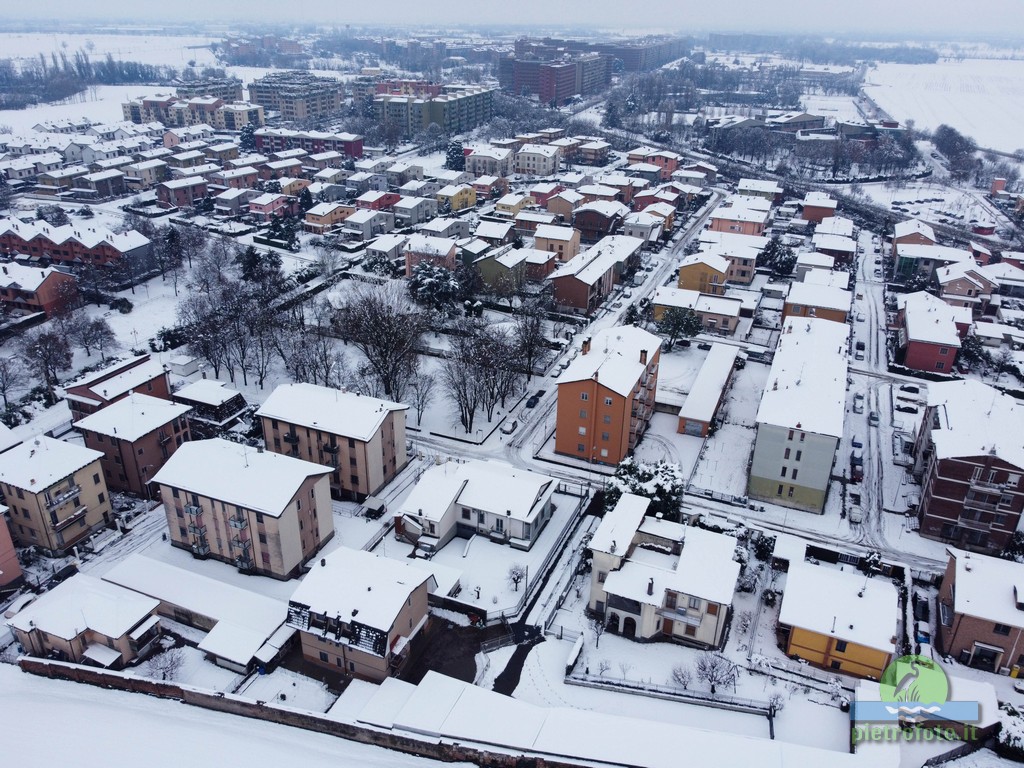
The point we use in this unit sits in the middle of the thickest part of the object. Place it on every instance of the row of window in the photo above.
(586, 396)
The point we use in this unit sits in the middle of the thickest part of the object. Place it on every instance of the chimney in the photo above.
(643, 357)
(586, 345)
(650, 587)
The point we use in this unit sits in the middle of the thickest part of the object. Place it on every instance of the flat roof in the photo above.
(706, 392)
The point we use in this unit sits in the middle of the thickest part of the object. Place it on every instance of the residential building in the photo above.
(145, 174)
(72, 243)
(800, 418)
(410, 211)
(491, 161)
(700, 409)
(929, 332)
(377, 201)
(822, 301)
(811, 260)
(434, 250)
(245, 177)
(280, 139)
(364, 224)
(25, 290)
(390, 247)
(447, 227)
(456, 197)
(211, 403)
(99, 389)
(502, 269)
(981, 612)
(537, 160)
(843, 249)
(965, 284)
(645, 226)
(360, 440)
(606, 395)
(718, 314)
(458, 109)
(817, 206)
(511, 204)
(598, 219)
(839, 620)
(583, 282)
(104, 184)
(273, 205)
(654, 579)
(88, 621)
(297, 95)
(544, 191)
(263, 512)
(486, 498)
(55, 492)
(361, 614)
(970, 466)
(563, 241)
(136, 436)
(495, 233)
(181, 193)
(184, 112)
(526, 222)
(704, 272)
(912, 232)
(564, 204)
(769, 190)
(11, 575)
(739, 219)
(324, 218)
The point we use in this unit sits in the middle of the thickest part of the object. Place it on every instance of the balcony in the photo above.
(679, 615)
(197, 529)
(291, 438)
(330, 448)
(244, 563)
(74, 517)
(238, 522)
(986, 487)
(164, 438)
(193, 511)
(239, 543)
(70, 492)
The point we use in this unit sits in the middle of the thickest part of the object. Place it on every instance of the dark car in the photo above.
(704, 345)
(532, 402)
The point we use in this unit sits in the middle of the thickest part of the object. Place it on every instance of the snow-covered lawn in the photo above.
(981, 98)
(723, 463)
(195, 670)
(832, 107)
(931, 202)
(282, 686)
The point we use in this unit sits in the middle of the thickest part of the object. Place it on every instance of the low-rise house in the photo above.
(104, 184)
(489, 187)
(843, 249)
(234, 202)
(88, 621)
(704, 272)
(361, 614)
(839, 620)
(377, 201)
(563, 241)
(364, 224)
(800, 418)
(739, 219)
(537, 159)
(502, 270)
(910, 232)
(245, 177)
(700, 409)
(526, 222)
(981, 612)
(273, 205)
(489, 498)
(136, 436)
(645, 226)
(390, 247)
(495, 232)
(211, 403)
(565, 203)
(55, 493)
(324, 218)
(11, 575)
(598, 219)
(544, 191)
(360, 182)
(710, 171)
(655, 579)
(965, 284)
(181, 193)
(769, 190)
(24, 290)
(970, 464)
(359, 440)
(410, 211)
(817, 206)
(434, 250)
(929, 332)
(421, 188)
(456, 198)
(402, 172)
(813, 300)
(914, 259)
(600, 191)
(808, 260)
(98, 389)
(448, 227)
(594, 152)
(145, 175)
(718, 314)
(606, 395)
(511, 204)
(490, 161)
(261, 511)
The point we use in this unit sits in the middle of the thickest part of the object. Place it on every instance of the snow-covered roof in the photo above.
(833, 279)
(758, 185)
(83, 603)
(913, 226)
(385, 243)
(411, 203)
(245, 620)
(89, 236)
(963, 270)
(598, 190)
(669, 296)
(620, 524)
(988, 588)
(591, 265)
(544, 150)
(132, 417)
(835, 225)
(607, 208)
(497, 230)
(360, 586)
(713, 260)
(18, 276)
(440, 246)
(740, 213)
(37, 464)
(827, 242)
(337, 412)
(931, 320)
(206, 392)
(733, 242)
(974, 419)
(810, 294)
(1003, 274)
(706, 392)
(554, 232)
(614, 358)
(815, 259)
(237, 474)
(846, 605)
(806, 387)
(938, 253)
(819, 200)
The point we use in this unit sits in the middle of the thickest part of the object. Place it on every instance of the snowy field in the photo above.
(931, 202)
(981, 98)
(122, 730)
(832, 107)
(101, 104)
(171, 50)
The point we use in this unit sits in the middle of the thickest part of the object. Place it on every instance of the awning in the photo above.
(144, 627)
(102, 655)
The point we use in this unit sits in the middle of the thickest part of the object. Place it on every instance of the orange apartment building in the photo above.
(10, 568)
(359, 440)
(822, 301)
(262, 512)
(741, 220)
(606, 395)
(136, 435)
(34, 289)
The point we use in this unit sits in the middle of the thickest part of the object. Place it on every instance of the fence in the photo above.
(716, 700)
(490, 646)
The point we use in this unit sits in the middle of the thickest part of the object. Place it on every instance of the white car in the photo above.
(860, 317)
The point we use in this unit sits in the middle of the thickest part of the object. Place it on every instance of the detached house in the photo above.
(360, 614)
(598, 219)
(655, 579)
(704, 272)
(260, 511)
(435, 250)
(929, 332)
(563, 241)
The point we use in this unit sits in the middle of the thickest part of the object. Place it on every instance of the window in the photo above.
(259, 518)
(943, 350)
(786, 454)
(802, 436)
(837, 665)
(604, 436)
(604, 453)
(607, 419)
(323, 656)
(790, 437)
(840, 646)
(607, 401)
(940, 366)
(96, 478)
(580, 447)
(583, 431)
(466, 514)
(354, 479)
(790, 494)
(779, 491)
(263, 538)
(695, 603)
(584, 395)
(798, 455)
(583, 413)
(795, 470)
(690, 630)
(1001, 629)
(784, 471)
(101, 498)
(601, 576)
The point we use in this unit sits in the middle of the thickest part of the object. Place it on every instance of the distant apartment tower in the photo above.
(227, 88)
(297, 95)
(457, 109)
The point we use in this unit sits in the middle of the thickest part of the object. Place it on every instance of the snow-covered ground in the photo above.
(145, 47)
(832, 107)
(282, 686)
(981, 98)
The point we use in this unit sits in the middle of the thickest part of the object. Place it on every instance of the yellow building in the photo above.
(457, 197)
(512, 204)
(704, 272)
(839, 620)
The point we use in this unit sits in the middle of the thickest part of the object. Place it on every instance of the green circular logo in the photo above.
(914, 679)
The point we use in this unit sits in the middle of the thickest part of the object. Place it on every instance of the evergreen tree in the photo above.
(455, 159)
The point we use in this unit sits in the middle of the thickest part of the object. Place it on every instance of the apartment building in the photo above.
(360, 440)
(606, 395)
(800, 418)
(98, 389)
(56, 493)
(537, 160)
(136, 435)
(704, 272)
(25, 290)
(263, 512)
(314, 142)
(563, 241)
(72, 243)
(297, 95)
(490, 161)
(459, 108)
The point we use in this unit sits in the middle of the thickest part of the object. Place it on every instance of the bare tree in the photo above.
(384, 324)
(528, 335)
(12, 378)
(603, 666)
(194, 241)
(208, 333)
(48, 352)
(682, 676)
(714, 669)
(776, 703)
(624, 668)
(459, 376)
(92, 333)
(516, 573)
(327, 258)
(422, 390)
(166, 665)
(598, 625)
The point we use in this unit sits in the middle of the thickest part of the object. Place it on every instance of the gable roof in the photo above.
(330, 410)
(614, 358)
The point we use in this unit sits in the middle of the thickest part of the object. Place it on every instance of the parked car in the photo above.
(509, 427)
(912, 389)
(704, 345)
(859, 355)
(873, 419)
(858, 403)
(857, 442)
(532, 402)
(856, 515)
(861, 346)
(860, 317)
(878, 273)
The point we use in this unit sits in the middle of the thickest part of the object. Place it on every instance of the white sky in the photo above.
(890, 18)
